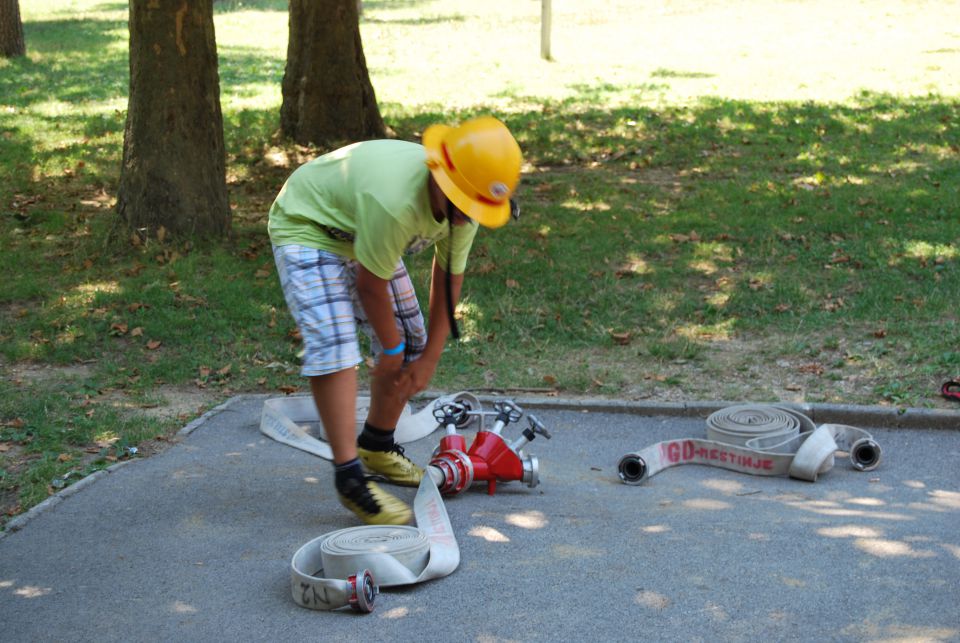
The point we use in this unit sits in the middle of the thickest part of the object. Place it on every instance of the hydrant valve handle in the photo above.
(507, 411)
(537, 426)
(450, 413)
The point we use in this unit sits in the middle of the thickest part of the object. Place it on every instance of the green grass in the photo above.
(733, 220)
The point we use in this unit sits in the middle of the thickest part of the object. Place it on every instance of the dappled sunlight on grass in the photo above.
(106, 437)
(87, 291)
(719, 331)
(927, 250)
(585, 206)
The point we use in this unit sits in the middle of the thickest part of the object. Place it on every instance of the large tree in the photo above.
(11, 29)
(327, 94)
(173, 173)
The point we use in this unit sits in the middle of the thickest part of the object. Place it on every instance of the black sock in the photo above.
(347, 471)
(374, 439)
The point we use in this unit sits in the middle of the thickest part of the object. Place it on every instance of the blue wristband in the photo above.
(396, 350)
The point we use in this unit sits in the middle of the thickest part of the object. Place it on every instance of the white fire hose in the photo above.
(344, 567)
(348, 566)
(760, 440)
(288, 420)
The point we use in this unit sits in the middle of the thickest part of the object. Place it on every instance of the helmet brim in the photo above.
(489, 215)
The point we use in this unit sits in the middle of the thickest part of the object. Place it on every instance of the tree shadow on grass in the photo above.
(710, 213)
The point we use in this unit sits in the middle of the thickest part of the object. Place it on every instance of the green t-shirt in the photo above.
(375, 193)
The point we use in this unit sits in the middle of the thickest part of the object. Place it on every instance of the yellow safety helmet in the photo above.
(477, 165)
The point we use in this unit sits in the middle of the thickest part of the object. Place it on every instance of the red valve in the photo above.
(493, 460)
(490, 458)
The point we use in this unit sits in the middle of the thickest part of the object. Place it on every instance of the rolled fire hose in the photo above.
(287, 420)
(344, 567)
(760, 440)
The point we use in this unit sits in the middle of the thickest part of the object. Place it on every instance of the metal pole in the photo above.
(546, 18)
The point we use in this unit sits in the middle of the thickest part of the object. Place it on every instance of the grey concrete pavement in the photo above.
(194, 544)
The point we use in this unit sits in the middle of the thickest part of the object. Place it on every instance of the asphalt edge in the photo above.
(18, 522)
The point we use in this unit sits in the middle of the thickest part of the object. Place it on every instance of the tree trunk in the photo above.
(327, 94)
(173, 174)
(11, 30)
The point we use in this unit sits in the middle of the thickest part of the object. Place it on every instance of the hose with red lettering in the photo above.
(760, 440)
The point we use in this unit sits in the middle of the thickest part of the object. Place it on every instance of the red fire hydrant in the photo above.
(489, 458)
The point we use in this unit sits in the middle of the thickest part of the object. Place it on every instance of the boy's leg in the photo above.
(376, 446)
(313, 286)
(336, 398)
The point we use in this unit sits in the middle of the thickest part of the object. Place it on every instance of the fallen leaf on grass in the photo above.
(287, 389)
(832, 305)
(153, 344)
(118, 329)
(814, 369)
(483, 267)
(684, 238)
(621, 338)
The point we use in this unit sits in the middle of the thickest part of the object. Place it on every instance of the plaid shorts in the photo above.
(321, 292)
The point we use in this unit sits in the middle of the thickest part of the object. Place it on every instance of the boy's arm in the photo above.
(420, 372)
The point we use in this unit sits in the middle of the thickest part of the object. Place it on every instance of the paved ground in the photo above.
(195, 543)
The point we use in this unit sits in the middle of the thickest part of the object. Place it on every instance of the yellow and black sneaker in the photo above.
(392, 465)
(371, 504)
